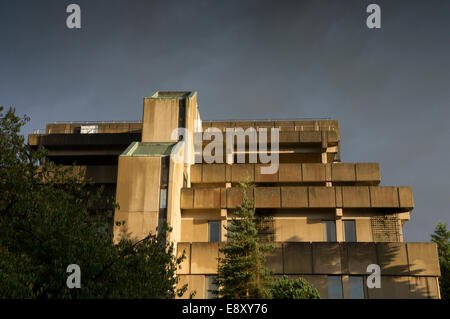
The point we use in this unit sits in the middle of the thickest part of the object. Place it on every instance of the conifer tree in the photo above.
(441, 237)
(241, 270)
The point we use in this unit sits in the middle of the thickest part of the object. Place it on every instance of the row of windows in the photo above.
(355, 284)
(349, 231)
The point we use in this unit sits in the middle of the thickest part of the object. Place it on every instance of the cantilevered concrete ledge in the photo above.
(396, 199)
(355, 173)
(408, 270)
(325, 258)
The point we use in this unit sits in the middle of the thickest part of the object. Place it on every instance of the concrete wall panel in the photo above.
(138, 183)
(267, 197)
(196, 173)
(367, 172)
(195, 283)
(392, 258)
(268, 178)
(326, 258)
(384, 196)
(213, 173)
(297, 258)
(363, 230)
(321, 197)
(355, 196)
(423, 259)
(343, 172)
(160, 118)
(360, 255)
(392, 287)
(187, 198)
(405, 197)
(204, 258)
(186, 263)
(290, 172)
(242, 173)
(206, 197)
(294, 196)
(290, 229)
(194, 230)
(313, 172)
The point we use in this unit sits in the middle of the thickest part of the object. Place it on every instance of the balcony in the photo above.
(307, 258)
(359, 173)
(395, 199)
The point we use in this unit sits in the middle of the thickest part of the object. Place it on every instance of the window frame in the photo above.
(325, 231)
(340, 285)
(208, 294)
(362, 287)
(210, 222)
(344, 233)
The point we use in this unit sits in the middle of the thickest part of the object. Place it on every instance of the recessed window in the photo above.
(214, 231)
(356, 287)
(329, 228)
(349, 231)
(334, 287)
(210, 287)
(163, 198)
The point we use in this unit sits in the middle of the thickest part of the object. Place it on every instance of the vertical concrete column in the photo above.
(339, 225)
(324, 138)
(345, 287)
(328, 182)
(224, 223)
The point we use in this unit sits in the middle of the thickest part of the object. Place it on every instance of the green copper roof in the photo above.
(148, 149)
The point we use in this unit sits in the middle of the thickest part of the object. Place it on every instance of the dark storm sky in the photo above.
(389, 88)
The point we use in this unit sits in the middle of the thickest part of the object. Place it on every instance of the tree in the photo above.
(442, 238)
(241, 270)
(284, 288)
(51, 217)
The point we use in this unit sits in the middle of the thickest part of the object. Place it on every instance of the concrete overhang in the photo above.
(389, 198)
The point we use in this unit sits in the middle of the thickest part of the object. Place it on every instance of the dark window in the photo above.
(334, 287)
(356, 285)
(210, 287)
(329, 230)
(266, 228)
(214, 231)
(349, 230)
(182, 114)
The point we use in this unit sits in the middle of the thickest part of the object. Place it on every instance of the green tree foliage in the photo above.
(442, 238)
(241, 270)
(284, 288)
(50, 218)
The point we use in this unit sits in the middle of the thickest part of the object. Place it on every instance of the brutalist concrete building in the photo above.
(328, 220)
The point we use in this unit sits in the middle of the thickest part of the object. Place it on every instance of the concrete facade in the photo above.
(330, 220)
